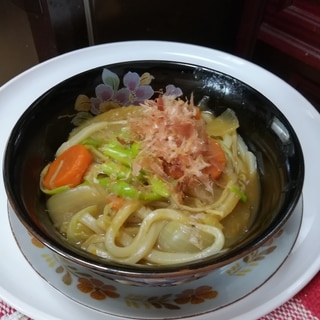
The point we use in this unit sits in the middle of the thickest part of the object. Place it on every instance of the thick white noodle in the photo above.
(85, 133)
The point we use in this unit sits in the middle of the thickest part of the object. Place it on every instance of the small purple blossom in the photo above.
(104, 92)
(131, 80)
(143, 93)
(135, 90)
(173, 91)
(139, 93)
(122, 96)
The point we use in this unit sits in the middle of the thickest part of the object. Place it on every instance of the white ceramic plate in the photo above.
(21, 287)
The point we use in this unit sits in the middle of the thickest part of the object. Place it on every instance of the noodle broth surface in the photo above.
(140, 205)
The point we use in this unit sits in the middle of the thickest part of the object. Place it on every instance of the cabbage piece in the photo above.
(219, 126)
(62, 206)
(179, 237)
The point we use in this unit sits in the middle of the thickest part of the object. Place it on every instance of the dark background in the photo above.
(283, 36)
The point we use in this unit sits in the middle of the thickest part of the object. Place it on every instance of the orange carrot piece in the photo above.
(217, 159)
(174, 171)
(198, 113)
(160, 103)
(116, 202)
(68, 168)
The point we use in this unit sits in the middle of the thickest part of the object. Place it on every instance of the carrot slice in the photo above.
(217, 159)
(172, 170)
(198, 113)
(116, 202)
(160, 103)
(68, 168)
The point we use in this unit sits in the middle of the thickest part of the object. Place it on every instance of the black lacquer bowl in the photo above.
(48, 121)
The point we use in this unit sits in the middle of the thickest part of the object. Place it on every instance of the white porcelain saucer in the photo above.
(21, 287)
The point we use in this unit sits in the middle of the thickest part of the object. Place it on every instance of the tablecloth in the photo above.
(305, 305)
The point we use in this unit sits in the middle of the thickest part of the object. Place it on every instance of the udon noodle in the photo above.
(165, 183)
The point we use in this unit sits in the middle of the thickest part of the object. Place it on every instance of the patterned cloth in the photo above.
(303, 306)
(8, 313)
